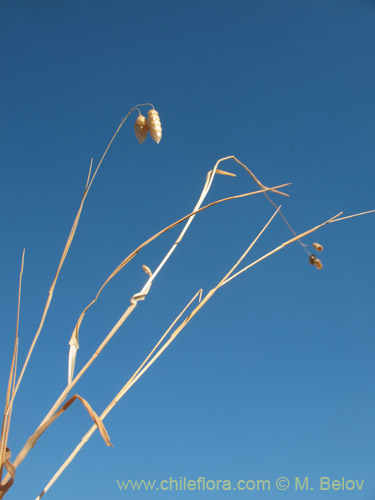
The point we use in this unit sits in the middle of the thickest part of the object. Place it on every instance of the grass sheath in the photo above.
(141, 127)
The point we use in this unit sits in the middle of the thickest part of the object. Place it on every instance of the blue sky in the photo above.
(274, 377)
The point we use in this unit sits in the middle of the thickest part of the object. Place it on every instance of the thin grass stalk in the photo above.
(269, 199)
(7, 417)
(11, 380)
(68, 244)
(260, 184)
(198, 294)
(137, 374)
(354, 215)
(52, 288)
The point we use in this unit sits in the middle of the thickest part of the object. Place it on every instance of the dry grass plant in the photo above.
(141, 127)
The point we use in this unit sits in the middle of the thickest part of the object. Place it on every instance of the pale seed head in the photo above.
(312, 259)
(154, 125)
(318, 247)
(318, 264)
(140, 128)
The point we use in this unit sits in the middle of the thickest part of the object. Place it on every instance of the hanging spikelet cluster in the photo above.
(151, 124)
(313, 259)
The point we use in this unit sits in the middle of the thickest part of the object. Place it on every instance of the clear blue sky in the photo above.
(275, 377)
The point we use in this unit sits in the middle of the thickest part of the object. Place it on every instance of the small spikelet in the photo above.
(154, 125)
(312, 259)
(318, 247)
(318, 264)
(140, 128)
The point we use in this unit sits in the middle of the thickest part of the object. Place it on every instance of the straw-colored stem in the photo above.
(269, 199)
(134, 378)
(67, 247)
(354, 215)
(52, 288)
(21, 456)
(11, 380)
(198, 294)
(113, 138)
(249, 172)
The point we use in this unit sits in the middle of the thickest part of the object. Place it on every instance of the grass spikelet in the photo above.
(318, 264)
(154, 125)
(141, 128)
(318, 247)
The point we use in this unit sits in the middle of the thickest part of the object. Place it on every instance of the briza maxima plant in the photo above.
(10, 461)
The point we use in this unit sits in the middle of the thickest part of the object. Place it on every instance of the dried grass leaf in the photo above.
(147, 270)
(94, 416)
(30, 443)
(74, 346)
(223, 172)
